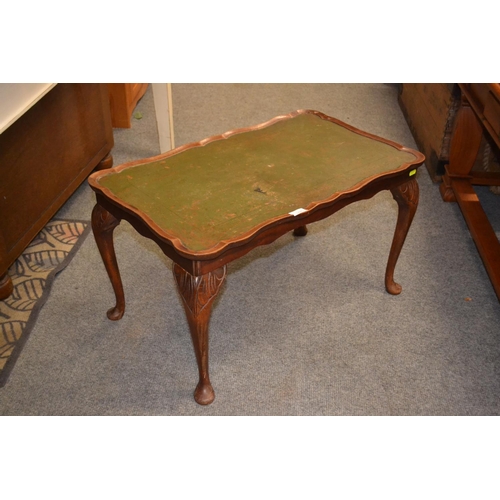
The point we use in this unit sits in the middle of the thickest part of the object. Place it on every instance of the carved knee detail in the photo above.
(197, 292)
(102, 220)
(407, 193)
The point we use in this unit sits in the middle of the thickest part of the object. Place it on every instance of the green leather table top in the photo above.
(219, 191)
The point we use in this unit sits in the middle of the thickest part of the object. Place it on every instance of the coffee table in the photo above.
(208, 203)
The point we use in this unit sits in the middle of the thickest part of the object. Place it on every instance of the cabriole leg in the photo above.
(406, 196)
(198, 294)
(103, 225)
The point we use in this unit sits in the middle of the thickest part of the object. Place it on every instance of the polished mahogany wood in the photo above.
(199, 273)
(479, 114)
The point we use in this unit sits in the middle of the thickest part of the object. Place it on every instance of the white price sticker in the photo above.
(297, 212)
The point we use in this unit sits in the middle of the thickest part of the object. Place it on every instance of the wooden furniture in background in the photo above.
(478, 115)
(208, 203)
(123, 98)
(44, 156)
(17, 98)
(429, 109)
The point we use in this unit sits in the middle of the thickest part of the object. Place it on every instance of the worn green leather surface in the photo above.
(221, 190)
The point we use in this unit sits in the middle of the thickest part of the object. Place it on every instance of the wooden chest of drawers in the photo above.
(44, 156)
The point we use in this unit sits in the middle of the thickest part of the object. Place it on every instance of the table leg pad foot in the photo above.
(115, 313)
(393, 288)
(204, 394)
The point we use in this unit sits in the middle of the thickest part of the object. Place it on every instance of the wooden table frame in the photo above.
(199, 275)
(472, 120)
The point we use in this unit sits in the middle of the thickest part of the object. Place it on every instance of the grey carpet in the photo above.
(303, 326)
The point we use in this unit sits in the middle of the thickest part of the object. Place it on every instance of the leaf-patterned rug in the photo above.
(32, 275)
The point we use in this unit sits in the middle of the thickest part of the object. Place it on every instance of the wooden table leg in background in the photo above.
(300, 231)
(198, 294)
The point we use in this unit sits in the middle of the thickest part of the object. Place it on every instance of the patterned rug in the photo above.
(32, 275)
